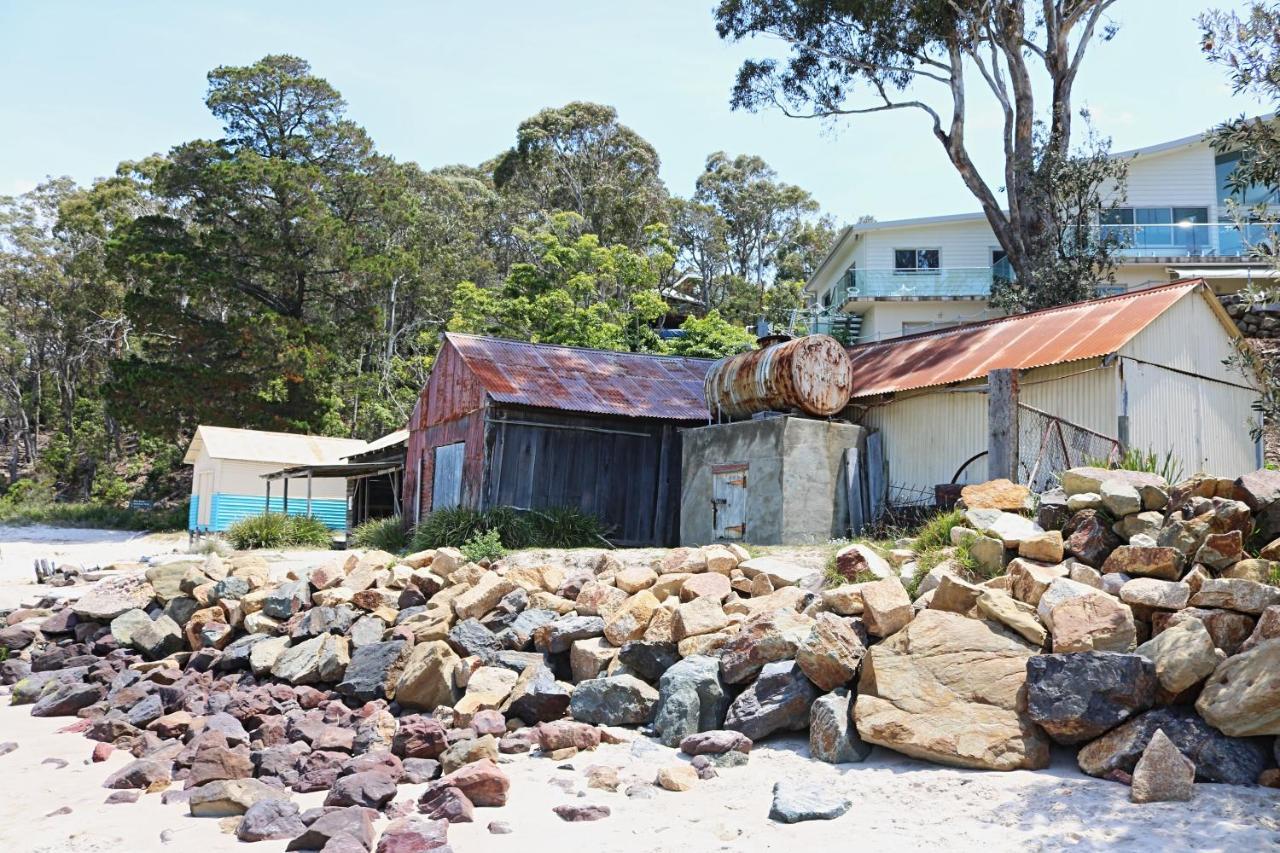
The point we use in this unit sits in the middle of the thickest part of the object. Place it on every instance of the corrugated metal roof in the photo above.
(576, 379)
(391, 439)
(252, 445)
(1052, 336)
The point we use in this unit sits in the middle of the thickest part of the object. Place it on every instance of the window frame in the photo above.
(917, 269)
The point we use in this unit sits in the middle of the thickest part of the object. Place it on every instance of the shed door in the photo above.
(446, 480)
(729, 501)
(204, 498)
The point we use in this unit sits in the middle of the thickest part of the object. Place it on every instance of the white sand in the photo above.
(898, 804)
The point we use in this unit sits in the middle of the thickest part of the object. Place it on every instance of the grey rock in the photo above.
(355, 822)
(795, 801)
(779, 700)
(229, 588)
(371, 788)
(691, 698)
(619, 700)
(470, 638)
(832, 735)
(537, 697)
(648, 660)
(373, 670)
(270, 820)
(559, 635)
(1077, 697)
(287, 599)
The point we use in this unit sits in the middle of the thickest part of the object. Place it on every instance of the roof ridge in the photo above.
(574, 347)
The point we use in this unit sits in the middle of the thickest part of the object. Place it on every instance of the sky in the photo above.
(89, 84)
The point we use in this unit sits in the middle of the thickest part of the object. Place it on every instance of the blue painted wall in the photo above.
(225, 510)
(193, 512)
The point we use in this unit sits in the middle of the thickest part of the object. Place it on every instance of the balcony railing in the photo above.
(944, 283)
(1187, 239)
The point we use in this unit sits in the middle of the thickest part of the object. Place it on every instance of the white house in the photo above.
(1144, 369)
(228, 464)
(885, 279)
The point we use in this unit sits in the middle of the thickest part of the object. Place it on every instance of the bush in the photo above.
(559, 527)
(385, 534)
(107, 517)
(275, 530)
(484, 546)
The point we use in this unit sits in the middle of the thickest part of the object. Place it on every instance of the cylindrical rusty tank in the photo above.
(812, 374)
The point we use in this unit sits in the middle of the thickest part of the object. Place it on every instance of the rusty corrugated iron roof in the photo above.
(1083, 330)
(576, 379)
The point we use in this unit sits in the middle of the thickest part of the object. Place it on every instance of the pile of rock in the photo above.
(1125, 619)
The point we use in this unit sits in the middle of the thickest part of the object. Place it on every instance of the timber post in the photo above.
(1002, 424)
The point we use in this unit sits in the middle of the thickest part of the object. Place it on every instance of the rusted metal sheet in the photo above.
(1052, 336)
(811, 374)
(574, 379)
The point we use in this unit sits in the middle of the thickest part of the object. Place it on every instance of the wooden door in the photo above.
(729, 501)
(446, 478)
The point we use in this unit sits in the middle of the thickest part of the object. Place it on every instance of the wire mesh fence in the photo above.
(1049, 445)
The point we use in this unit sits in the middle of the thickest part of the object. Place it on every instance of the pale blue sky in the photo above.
(87, 84)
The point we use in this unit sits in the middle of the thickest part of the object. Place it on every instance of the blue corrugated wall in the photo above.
(225, 510)
(193, 512)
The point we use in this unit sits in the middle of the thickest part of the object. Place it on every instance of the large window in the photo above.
(1179, 228)
(915, 260)
(1224, 165)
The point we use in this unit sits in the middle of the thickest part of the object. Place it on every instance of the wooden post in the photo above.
(308, 493)
(267, 508)
(285, 510)
(1002, 424)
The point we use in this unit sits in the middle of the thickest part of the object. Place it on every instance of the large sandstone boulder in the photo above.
(110, 597)
(772, 636)
(1184, 655)
(949, 689)
(831, 654)
(1242, 697)
(428, 676)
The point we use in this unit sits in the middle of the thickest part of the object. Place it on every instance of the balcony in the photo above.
(911, 285)
(1188, 239)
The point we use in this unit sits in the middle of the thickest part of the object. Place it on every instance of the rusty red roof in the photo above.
(1090, 329)
(577, 379)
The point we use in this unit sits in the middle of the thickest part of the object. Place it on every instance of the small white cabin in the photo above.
(227, 484)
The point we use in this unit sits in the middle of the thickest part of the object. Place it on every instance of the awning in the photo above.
(350, 471)
(1225, 272)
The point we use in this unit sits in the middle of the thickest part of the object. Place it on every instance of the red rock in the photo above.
(447, 804)
(483, 783)
(419, 737)
(102, 751)
(414, 834)
(565, 733)
(575, 813)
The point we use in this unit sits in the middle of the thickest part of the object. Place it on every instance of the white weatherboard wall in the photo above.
(883, 320)
(236, 490)
(1205, 422)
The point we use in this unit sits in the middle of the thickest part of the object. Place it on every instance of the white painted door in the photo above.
(729, 501)
(204, 498)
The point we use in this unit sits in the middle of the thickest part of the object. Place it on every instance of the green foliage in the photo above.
(384, 534)
(1166, 465)
(562, 527)
(710, 337)
(276, 530)
(484, 546)
(93, 515)
(935, 531)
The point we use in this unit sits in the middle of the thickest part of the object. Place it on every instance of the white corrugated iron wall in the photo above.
(1205, 422)
(1083, 392)
(929, 436)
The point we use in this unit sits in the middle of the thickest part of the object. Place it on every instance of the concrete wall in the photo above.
(795, 478)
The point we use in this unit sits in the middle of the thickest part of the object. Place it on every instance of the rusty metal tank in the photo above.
(812, 374)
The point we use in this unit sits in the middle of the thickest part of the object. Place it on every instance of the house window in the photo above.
(1224, 165)
(1184, 229)
(1000, 266)
(916, 260)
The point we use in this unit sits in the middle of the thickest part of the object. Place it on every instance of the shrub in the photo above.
(275, 530)
(385, 534)
(19, 513)
(558, 527)
(484, 546)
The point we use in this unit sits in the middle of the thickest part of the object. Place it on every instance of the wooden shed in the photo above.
(533, 426)
(228, 465)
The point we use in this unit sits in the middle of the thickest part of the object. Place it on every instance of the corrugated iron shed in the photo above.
(1068, 333)
(576, 379)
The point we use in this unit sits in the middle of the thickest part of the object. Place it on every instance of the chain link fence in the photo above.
(1049, 445)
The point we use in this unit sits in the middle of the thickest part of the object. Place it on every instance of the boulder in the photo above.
(691, 698)
(414, 834)
(1008, 527)
(270, 820)
(800, 800)
(886, 607)
(1184, 655)
(649, 660)
(342, 830)
(630, 620)
(771, 636)
(1088, 538)
(374, 670)
(370, 788)
(1217, 757)
(1095, 622)
(482, 782)
(832, 652)
(779, 700)
(427, 680)
(112, 596)
(1239, 594)
(1077, 697)
(715, 743)
(1013, 614)
(832, 735)
(1221, 550)
(1162, 774)
(996, 494)
(1156, 562)
(676, 777)
(321, 659)
(537, 696)
(1029, 581)
(1161, 595)
(231, 797)
(483, 596)
(1090, 479)
(1120, 498)
(860, 562)
(700, 616)
(1242, 697)
(949, 689)
(619, 700)
(591, 658)
(419, 737)
(779, 572)
(1228, 628)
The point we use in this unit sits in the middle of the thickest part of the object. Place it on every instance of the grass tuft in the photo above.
(276, 530)
(384, 534)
